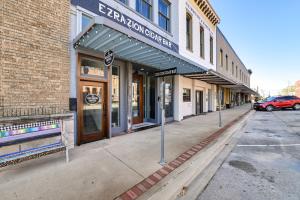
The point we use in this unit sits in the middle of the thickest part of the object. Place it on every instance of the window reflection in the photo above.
(91, 67)
(85, 21)
(115, 97)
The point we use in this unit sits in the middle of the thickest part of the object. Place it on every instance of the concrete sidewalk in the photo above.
(106, 169)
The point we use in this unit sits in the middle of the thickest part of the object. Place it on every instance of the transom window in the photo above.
(92, 68)
(189, 38)
(144, 7)
(164, 14)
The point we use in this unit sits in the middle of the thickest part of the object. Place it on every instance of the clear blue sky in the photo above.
(266, 36)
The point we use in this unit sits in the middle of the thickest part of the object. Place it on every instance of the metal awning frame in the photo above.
(212, 77)
(103, 34)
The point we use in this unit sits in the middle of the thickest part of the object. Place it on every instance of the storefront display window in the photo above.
(115, 121)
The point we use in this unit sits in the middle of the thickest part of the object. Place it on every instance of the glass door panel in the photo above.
(137, 99)
(92, 114)
(169, 97)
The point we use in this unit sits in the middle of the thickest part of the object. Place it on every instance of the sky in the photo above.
(266, 36)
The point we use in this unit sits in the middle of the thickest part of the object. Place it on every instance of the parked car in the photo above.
(278, 102)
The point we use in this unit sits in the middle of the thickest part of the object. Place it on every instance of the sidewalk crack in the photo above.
(129, 167)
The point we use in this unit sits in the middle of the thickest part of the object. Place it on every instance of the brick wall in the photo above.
(35, 61)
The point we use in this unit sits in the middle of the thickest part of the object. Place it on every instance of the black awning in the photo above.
(211, 77)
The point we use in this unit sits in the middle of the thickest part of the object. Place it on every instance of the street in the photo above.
(265, 164)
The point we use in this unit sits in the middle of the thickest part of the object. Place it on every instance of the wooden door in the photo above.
(137, 99)
(92, 113)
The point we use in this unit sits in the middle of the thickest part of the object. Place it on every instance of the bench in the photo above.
(23, 134)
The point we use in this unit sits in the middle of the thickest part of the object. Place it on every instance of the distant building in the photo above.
(297, 88)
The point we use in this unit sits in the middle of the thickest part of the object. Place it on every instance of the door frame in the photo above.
(95, 80)
(136, 120)
(90, 138)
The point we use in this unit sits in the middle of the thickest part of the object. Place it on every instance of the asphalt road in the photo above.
(265, 163)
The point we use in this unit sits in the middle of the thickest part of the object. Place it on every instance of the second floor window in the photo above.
(164, 14)
(221, 58)
(123, 1)
(236, 71)
(189, 29)
(144, 7)
(211, 47)
(201, 42)
(232, 66)
(226, 62)
(85, 21)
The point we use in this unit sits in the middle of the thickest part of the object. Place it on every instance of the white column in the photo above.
(155, 11)
(176, 98)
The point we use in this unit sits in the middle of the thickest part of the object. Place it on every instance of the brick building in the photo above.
(35, 61)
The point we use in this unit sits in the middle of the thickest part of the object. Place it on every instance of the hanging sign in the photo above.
(108, 57)
(166, 72)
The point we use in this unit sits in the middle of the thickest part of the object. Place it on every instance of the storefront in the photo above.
(123, 97)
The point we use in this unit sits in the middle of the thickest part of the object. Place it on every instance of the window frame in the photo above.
(81, 20)
(211, 49)
(186, 97)
(168, 18)
(147, 2)
(221, 59)
(202, 42)
(189, 40)
(226, 62)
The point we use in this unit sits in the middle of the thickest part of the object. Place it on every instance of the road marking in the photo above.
(267, 145)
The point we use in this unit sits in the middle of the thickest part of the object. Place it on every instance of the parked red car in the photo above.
(279, 102)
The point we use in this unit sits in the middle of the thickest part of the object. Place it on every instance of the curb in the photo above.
(145, 185)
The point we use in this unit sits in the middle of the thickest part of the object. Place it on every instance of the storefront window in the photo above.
(115, 122)
(92, 68)
(169, 96)
(186, 95)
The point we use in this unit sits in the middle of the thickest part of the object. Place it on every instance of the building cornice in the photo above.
(208, 10)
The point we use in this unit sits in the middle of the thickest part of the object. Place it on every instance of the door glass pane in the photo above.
(92, 109)
(152, 98)
(168, 96)
(136, 98)
(115, 97)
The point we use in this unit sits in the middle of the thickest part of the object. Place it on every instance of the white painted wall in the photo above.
(183, 109)
(198, 19)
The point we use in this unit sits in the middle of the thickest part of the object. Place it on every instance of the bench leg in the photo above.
(67, 154)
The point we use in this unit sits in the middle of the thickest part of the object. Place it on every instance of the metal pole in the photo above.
(162, 127)
(219, 100)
